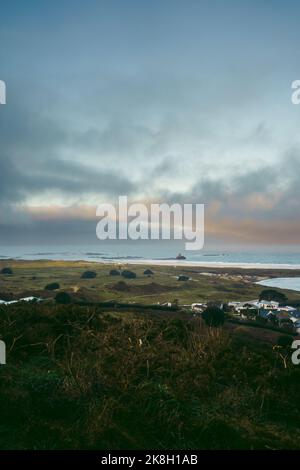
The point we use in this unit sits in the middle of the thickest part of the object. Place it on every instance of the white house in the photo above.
(239, 306)
(198, 307)
(267, 304)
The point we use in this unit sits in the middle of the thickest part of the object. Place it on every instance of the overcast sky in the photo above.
(182, 101)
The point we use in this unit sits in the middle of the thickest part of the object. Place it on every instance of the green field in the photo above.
(31, 277)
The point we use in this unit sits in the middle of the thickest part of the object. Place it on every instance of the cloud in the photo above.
(18, 182)
(34, 161)
(191, 123)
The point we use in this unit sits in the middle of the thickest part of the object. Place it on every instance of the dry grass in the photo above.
(80, 378)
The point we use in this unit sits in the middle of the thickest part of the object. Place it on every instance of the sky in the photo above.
(165, 101)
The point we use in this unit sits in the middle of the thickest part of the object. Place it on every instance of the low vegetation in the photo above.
(148, 272)
(89, 275)
(213, 316)
(52, 286)
(6, 271)
(79, 378)
(114, 272)
(128, 274)
(204, 285)
(273, 295)
(63, 298)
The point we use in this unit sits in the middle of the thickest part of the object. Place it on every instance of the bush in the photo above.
(183, 278)
(261, 320)
(213, 316)
(121, 286)
(114, 272)
(286, 324)
(148, 272)
(52, 286)
(88, 275)
(270, 294)
(63, 298)
(6, 271)
(128, 274)
(284, 341)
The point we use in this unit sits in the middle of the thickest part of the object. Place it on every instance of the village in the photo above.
(259, 310)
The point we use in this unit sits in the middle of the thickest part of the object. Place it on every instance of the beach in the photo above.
(203, 264)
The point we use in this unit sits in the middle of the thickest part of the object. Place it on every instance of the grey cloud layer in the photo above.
(140, 138)
(32, 162)
(276, 184)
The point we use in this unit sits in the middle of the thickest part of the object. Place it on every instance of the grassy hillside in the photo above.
(82, 379)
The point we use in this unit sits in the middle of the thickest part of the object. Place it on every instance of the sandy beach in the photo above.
(200, 264)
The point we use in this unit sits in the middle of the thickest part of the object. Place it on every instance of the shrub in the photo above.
(63, 298)
(286, 324)
(52, 286)
(88, 275)
(114, 272)
(6, 271)
(148, 272)
(213, 316)
(261, 320)
(128, 274)
(284, 341)
(183, 278)
(270, 294)
(121, 286)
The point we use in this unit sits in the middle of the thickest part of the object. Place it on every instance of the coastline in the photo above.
(200, 264)
(163, 262)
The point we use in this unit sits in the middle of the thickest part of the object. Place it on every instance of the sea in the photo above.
(152, 252)
(291, 283)
(165, 254)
